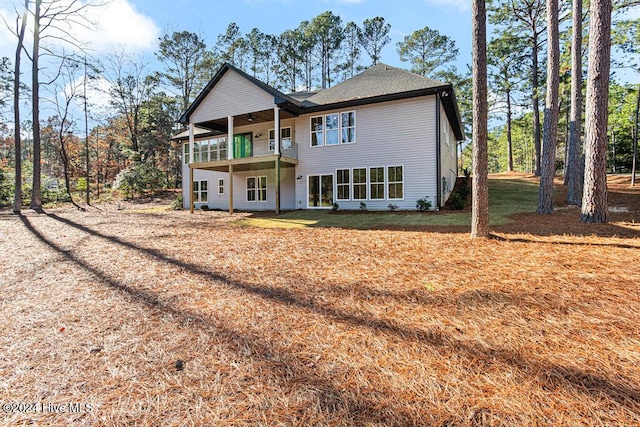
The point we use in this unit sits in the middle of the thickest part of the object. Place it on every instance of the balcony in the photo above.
(257, 155)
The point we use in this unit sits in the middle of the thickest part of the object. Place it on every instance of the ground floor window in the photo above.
(257, 189)
(220, 186)
(320, 189)
(200, 194)
(395, 180)
(376, 177)
(359, 183)
(343, 184)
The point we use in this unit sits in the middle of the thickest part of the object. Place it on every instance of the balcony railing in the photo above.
(214, 153)
(264, 150)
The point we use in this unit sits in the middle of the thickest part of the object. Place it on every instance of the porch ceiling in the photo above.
(246, 164)
(220, 125)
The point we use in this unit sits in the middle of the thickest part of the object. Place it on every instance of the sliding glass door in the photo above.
(320, 191)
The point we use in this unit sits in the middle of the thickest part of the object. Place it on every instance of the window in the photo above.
(376, 178)
(342, 184)
(204, 150)
(395, 180)
(200, 192)
(333, 129)
(185, 154)
(348, 127)
(257, 189)
(196, 151)
(360, 184)
(220, 186)
(285, 138)
(320, 191)
(317, 131)
(218, 149)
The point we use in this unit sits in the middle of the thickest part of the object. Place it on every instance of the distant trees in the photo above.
(427, 50)
(186, 60)
(21, 24)
(374, 36)
(526, 19)
(505, 57)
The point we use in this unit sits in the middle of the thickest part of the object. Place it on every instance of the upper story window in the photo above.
(285, 138)
(333, 129)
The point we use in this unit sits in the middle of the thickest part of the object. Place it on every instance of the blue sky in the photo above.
(209, 18)
(137, 24)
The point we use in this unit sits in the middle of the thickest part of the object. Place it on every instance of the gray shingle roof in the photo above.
(379, 80)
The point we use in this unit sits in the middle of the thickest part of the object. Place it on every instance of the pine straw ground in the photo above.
(538, 326)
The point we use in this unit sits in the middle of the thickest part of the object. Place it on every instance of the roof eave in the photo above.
(373, 99)
(278, 97)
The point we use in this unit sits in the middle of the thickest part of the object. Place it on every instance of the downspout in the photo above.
(438, 154)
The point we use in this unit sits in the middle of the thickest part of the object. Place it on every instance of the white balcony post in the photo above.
(230, 138)
(276, 131)
(191, 136)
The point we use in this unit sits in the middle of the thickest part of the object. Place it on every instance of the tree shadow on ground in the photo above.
(552, 374)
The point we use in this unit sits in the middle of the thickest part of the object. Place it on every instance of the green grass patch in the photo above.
(506, 197)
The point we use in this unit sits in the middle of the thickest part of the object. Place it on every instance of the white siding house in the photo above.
(385, 136)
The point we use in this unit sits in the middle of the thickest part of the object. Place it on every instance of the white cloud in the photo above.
(115, 23)
(118, 23)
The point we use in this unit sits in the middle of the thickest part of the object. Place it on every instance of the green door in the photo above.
(242, 146)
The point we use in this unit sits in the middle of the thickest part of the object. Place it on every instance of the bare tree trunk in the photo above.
(86, 135)
(594, 199)
(574, 178)
(509, 136)
(36, 191)
(551, 112)
(536, 107)
(480, 193)
(17, 199)
(635, 141)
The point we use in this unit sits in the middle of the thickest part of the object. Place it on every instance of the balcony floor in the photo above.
(246, 164)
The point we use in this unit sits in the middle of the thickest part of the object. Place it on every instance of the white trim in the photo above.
(191, 137)
(270, 140)
(335, 199)
(395, 182)
(311, 132)
(256, 189)
(276, 134)
(197, 194)
(230, 142)
(186, 158)
(384, 183)
(366, 184)
(339, 129)
(320, 175)
(220, 186)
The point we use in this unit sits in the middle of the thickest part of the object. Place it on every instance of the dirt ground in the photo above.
(144, 317)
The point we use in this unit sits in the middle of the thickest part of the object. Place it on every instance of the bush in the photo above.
(392, 207)
(335, 207)
(423, 204)
(204, 208)
(177, 204)
(363, 206)
(458, 202)
(139, 178)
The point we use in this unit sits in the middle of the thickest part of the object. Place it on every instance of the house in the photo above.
(385, 136)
